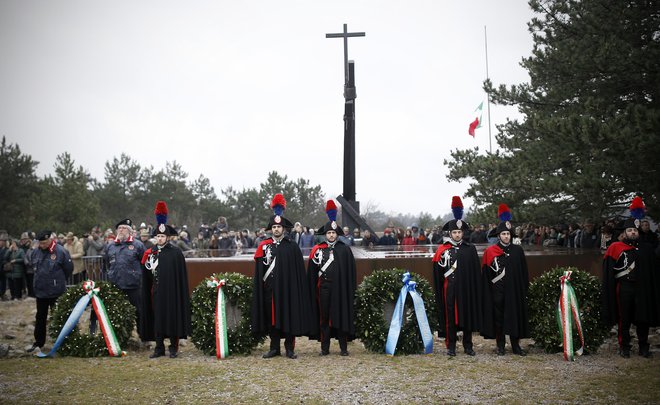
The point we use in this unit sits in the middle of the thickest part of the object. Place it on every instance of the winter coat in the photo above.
(76, 252)
(124, 267)
(18, 267)
(52, 267)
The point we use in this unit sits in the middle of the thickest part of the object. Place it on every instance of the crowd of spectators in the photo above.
(587, 235)
(219, 240)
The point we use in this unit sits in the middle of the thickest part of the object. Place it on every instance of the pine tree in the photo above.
(588, 141)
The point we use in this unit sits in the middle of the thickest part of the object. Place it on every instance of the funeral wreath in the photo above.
(543, 298)
(375, 299)
(238, 292)
(121, 315)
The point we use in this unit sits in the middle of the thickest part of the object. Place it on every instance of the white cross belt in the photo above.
(625, 272)
(499, 277)
(270, 269)
(451, 269)
(327, 264)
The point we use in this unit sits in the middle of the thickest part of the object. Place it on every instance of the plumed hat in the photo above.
(162, 228)
(278, 205)
(331, 211)
(457, 222)
(637, 210)
(504, 215)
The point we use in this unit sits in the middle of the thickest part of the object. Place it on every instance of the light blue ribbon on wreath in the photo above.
(69, 325)
(397, 317)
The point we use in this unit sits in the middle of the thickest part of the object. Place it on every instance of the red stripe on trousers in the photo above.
(618, 307)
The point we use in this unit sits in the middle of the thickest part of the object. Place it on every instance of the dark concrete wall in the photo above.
(538, 262)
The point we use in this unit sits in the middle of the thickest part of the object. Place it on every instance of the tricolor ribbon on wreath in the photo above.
(397, 317)
(221, 341)
(568, 311)
(91, 293)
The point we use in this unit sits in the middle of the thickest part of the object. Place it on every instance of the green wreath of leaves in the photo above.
(383, 287)
(120, 313)
(238, 292)
(543, 296)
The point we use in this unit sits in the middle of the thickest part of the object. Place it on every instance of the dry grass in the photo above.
(360, 378)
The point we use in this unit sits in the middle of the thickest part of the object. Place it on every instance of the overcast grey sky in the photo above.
(235, 89)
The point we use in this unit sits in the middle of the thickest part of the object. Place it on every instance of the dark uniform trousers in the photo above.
(450, 317)
(625, 291)
(274, 333)
(498, 304)
(325, 289)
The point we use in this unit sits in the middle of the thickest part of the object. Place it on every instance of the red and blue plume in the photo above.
(637, 208)
(331, 210)
(161, 212)
(279, 204)
(457, 207)
(503, 212)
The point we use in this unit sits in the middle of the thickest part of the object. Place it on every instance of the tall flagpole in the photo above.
(490, 137)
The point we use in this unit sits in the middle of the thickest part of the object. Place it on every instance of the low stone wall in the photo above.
(416, 259)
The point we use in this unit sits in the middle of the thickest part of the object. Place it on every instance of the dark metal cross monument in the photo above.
(350, 207)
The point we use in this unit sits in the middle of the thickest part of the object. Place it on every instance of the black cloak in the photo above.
(165, 299)
(291, 311)
(466, 284)
(647, 284)
(342, 293)
(516, 282)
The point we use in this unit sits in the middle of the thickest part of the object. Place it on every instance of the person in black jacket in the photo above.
(52, 266)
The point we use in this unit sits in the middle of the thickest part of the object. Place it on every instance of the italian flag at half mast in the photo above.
(477, 121)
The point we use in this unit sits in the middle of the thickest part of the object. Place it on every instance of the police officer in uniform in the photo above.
(332, 283)
(281, 304)
(505, 281)
(631, 285)
(457, 282)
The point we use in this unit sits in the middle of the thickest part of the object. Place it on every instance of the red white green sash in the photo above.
(221, 341)
(568, 311)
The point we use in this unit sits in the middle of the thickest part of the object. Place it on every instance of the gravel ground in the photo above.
(363, 377)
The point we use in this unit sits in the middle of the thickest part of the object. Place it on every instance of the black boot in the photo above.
(289, 345)
(271, 353)
(515, 347)
(519, 351)
(174, 348)
(499, 339)
(157, 353)
(645, 351)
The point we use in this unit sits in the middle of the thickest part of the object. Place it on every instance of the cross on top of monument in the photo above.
(345, 35)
